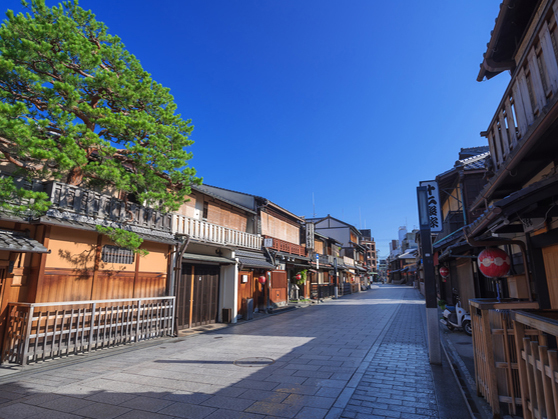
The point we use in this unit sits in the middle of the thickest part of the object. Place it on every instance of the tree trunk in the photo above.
(75, 177)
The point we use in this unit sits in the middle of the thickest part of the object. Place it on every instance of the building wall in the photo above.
(226, 217)
(452, 202)
(280, 229)
(217, 212)
(71, 272)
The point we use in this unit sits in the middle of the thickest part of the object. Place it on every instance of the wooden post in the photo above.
(519, 332)
(24, 360)
(553, 364)
(191, 297)
(530, 378)
(547, 388)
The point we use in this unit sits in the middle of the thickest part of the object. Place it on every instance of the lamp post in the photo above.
(432, 326)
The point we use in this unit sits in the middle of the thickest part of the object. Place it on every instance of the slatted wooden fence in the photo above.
(538, 364)
(36, 332)
(494, 347)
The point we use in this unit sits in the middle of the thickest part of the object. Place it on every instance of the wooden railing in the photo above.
(286, 247)
(538, 363)
(496, 366)
(213, 233)
(533, 87)
(85, 205)
(40, 331)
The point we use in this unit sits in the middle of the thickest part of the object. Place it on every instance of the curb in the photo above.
(477, 406)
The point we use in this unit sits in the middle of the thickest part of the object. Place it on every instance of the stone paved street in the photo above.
(362, 356)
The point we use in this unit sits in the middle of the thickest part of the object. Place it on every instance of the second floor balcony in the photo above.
(522, 129)
(284, 246)
(84, 205)
(203, 231)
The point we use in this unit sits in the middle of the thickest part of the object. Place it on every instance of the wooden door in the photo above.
(198, 295)
(550, 256)
(245, 289)
(279, 286)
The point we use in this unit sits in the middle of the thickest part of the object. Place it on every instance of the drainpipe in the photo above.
(502, 242)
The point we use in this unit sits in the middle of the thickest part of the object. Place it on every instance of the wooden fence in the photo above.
(40, 331)
(538, 364)
(494, 347)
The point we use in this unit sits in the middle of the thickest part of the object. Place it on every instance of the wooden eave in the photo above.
(506, 37)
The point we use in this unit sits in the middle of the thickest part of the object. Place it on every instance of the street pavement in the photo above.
(361, 356)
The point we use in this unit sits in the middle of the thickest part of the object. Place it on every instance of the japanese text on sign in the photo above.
(434, 213)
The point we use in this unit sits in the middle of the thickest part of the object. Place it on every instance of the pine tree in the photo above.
(75, 105)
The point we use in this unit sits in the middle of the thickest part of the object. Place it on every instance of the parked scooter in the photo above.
(455, 317)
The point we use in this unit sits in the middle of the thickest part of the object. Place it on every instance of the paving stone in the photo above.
(66, 404)
(21, 410)
(229, 403)
(101, 411)
(148, 404)
(185, 410)
(312, 413)
(274, 409)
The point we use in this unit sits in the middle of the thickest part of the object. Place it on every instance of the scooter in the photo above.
(457, 318)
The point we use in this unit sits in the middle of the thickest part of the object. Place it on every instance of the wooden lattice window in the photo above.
(115, 254)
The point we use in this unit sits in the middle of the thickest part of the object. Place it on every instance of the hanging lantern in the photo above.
(444, 272)
(298, 277)
(262, 279)
(494, 262)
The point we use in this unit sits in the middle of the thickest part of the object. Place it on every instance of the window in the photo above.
(115, 254)
(205, 210)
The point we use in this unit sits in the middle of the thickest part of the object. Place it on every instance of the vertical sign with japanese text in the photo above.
(434, 213)
(310, 235)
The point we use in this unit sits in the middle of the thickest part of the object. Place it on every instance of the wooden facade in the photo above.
(81, 264)
(515, 210)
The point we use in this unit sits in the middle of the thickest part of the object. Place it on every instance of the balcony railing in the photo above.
(213, 233)
(286, 247)
(84, 205)
(533, 87)
(41, 331)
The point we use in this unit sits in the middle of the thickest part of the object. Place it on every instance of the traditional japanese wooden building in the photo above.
(66, 288)
(515, 335)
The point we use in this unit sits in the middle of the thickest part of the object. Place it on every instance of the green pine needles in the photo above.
(76, 106)
(123, 238)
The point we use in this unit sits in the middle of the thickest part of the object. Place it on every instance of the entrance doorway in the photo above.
(197, 296)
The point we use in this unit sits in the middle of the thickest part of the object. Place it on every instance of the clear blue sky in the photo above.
(352, 102)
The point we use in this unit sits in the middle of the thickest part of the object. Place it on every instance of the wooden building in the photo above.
(63, 285)
(514, 338)
(216, 281)
(458, 188)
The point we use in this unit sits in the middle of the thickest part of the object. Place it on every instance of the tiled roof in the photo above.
(253, 259)
(475, 162)
(14, 241)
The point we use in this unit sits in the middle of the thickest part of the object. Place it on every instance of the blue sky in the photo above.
(322, 106)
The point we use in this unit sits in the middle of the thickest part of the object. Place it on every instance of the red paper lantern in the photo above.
(444, 272)
(261, 279)
(298, 277)
(494, 262)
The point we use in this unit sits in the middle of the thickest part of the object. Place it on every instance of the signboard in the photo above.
(434, 213)
(309, 236)
(317, 261)
(268, 242)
